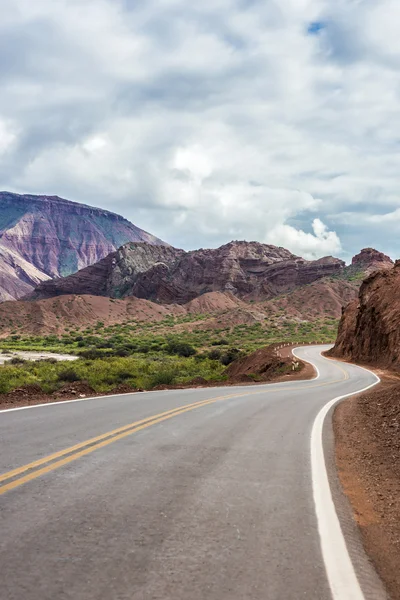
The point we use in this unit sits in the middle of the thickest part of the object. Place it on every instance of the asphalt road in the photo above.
(220, 501)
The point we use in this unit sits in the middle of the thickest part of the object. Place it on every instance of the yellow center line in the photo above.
(41, 461)
(82, 449)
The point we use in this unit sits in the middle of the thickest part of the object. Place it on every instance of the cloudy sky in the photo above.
(202, 122)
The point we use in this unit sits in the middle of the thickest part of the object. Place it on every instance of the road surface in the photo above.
(203, 494)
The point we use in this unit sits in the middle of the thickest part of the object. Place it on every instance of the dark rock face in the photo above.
(56, 237)
(113, 276)
(249, 270)
(369, 330)
(370, 259)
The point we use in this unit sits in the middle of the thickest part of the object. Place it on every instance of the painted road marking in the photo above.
(339, 568)
(77, 451)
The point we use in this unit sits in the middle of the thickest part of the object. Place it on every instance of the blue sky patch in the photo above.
(315, 27)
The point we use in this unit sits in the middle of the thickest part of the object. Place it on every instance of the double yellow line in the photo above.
(19, 476)
(49, 463)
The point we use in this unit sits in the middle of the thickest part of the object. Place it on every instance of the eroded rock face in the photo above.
(369, 330)
(56, 237)
(371, 260)
(113, 276)
(249, 270)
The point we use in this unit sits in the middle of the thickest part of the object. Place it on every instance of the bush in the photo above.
(17, 360)
(68, 375)
(228, 357)
(144, 349)
(214, 354)
(180, 348)
(122, 352)
(221, 342)
(91, 354)
(50, 361)
(165, 377)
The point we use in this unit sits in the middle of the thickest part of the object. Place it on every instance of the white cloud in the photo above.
(7, 136)
(309, 245)
(211, 121)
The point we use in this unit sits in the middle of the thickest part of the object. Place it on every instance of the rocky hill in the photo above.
(249, 270)
(368, 261)
(42, 237)
(105, 292)
(369, 329)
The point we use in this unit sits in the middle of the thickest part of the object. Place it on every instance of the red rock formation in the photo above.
(369, 330)
(370, 260)
(56, 237)
(249, 270)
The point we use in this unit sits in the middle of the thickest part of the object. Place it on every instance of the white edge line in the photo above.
(311, 363)
(341, 575)
(60, 402)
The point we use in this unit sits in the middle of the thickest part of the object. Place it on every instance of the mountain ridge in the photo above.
(56, 237)
(249, 270)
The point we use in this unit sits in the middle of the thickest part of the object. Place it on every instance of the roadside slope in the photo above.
(368, 460)
(367, 427)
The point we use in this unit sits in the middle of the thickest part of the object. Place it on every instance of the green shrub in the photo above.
(68, 375)
(122, 352)
(221, 342)
(228, 357)
(180, 348)
(17, 360)
(91, 354)
(50, 361)
(166, 377)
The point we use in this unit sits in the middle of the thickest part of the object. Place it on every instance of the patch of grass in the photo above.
(145, 355)
(105, 374)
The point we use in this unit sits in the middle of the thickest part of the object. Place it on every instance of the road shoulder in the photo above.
(367, 450)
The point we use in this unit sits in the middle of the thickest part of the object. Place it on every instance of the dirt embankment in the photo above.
(367, 427)
(369, 331)
(367, 431)
(270, 364)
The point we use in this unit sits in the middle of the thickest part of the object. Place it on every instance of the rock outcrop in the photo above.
(114, 276)
(42, 237)
(369, 330)
(368, 261)
(249, 270)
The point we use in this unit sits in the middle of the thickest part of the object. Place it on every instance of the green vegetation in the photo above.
(181, 336)
(146, 355)
(104, 375)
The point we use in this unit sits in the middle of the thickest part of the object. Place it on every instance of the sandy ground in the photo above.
(4, 358)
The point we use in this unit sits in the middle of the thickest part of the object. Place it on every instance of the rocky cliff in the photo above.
(47, 236)
(369, 330)
(249, 270)
(114, 276)
(368, 261)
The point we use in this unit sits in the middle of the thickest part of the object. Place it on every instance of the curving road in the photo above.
(203, 494)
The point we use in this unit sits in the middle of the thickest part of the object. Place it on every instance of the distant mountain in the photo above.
(327, 295)
(239, 283)
(249, 270)
(43, 237)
